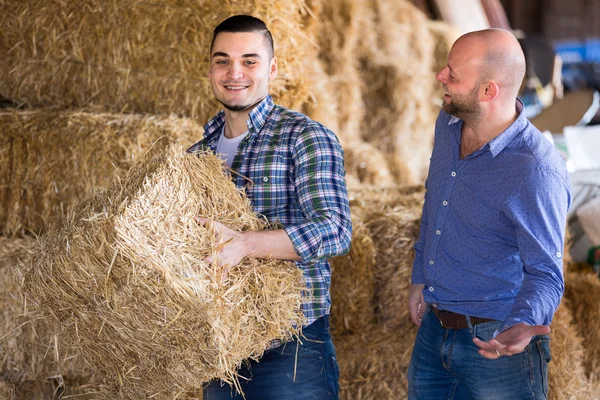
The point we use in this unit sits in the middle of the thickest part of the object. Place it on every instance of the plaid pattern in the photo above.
(292, 169)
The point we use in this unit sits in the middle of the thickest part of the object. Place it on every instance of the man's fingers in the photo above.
(540, 330)
(201, 221)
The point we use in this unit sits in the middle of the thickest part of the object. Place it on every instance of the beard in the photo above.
(465, 107)
(240, 107)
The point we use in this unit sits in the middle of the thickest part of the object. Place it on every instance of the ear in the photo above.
(273, 68)
(491, 90)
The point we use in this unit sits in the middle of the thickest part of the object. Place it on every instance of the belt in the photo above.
(452, 320)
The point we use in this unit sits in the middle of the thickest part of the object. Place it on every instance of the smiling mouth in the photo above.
(235, 87)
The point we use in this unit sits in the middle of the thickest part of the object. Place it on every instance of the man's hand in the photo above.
(511, 341)
(231, 247)
(416, 303)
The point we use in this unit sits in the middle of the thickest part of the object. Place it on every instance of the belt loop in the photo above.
(469, 324)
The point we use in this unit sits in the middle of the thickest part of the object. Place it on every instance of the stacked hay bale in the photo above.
(383, 56)
(353, 285)
(50, 159)
(126, 278)
(583, 293)
(566, 372)
(138, 56)
(33, 365)
(372, 333)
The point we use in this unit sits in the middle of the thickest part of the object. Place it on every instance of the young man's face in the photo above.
(240, 69)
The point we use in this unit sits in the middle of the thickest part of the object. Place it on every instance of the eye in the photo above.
(250, 62)
(221, 62)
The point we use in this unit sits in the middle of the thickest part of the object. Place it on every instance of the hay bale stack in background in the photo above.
(394, 232)
(32, 364)
(126, 278)
(374, 364)
(374, 358)
(364, 161)
(368, 199)
(566, 373)
(343, 24)
(139, 56)
(50, 158)
(583, 292)
(352, 285)
(382, 57)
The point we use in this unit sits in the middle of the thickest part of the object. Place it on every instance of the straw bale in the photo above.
(33, 365)
(398, 94)
(342, 24)
(126, 278)
(367, 200)
(140, 56)
(583, 292)
(352, 285)
(394, 233)
(374, 365)
(566, 373)
(53, 158)
(367, 163)
(322, 105)
(5, 391)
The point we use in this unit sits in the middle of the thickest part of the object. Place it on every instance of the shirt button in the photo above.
(453, 173)
(431, 262)
(558, 254)
(438, 232)
(445, 202)
(265, 179)
(430, 289)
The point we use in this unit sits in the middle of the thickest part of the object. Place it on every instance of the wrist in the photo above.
(247, 242)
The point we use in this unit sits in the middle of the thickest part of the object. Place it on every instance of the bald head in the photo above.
(499, 55)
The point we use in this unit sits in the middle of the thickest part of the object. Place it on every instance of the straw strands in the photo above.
(22, 352)
(374, 365)
(49, 159)
(140, 56)
(127, 280)
(352, 286)
(583, 292)
(566, 374)
(382, 57)
(32, 364)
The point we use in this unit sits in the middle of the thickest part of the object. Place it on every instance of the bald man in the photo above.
(487, 276)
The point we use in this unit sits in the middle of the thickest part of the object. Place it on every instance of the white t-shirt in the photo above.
(226, 148)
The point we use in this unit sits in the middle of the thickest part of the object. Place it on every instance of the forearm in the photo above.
(537, 300)
(269, 244)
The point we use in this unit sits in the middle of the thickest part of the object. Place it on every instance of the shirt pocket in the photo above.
(271, 187)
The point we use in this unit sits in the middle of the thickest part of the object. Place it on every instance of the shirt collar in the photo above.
(500, 142)
(256, 119)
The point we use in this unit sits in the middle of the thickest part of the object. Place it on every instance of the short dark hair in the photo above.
(244, 23)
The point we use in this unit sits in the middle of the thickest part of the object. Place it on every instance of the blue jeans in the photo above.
(445, 365)
(272, 378)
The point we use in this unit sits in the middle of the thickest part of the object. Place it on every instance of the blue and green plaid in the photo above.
(292, 169)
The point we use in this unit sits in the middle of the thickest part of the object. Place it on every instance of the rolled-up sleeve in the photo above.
(539, 211)
(319, 180)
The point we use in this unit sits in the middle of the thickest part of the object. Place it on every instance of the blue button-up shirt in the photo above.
(493, 224)
(292, 170)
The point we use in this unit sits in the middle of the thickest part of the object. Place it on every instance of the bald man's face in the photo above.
(460, 79)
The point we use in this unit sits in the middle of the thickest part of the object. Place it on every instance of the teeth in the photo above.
(235, 87)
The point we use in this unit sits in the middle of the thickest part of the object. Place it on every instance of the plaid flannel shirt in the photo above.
(292, 170)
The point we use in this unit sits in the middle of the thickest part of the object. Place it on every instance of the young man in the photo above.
(487, 276)
(292, 169)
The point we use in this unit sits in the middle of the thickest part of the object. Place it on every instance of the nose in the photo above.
(442, 76)
(235, 71)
